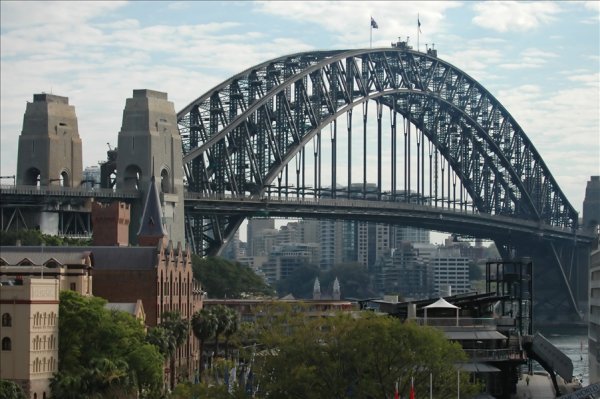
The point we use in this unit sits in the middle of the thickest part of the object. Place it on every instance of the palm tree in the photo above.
(204, 324)
(224, 319)
(178, 330)
(231, 329)
(162, 339)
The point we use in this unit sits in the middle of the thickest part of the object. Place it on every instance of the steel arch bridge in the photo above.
(443, 142)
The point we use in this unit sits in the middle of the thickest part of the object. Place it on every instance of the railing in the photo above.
(67, 191)
(452, 322)
(360, 203)
(494, 354)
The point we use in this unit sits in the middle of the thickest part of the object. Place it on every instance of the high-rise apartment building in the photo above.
(284, 259)
(451, 272)
(254, 231)
(402, 272)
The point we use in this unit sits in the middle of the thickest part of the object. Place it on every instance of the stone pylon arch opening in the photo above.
(32, 177)
(132, 178)
(64, 179)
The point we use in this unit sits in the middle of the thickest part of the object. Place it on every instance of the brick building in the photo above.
(157, 272)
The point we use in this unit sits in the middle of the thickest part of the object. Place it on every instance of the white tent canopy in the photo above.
(441, 304)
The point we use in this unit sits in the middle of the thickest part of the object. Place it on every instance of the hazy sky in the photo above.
(540, 59)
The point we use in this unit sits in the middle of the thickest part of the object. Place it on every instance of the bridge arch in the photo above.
(240, 135)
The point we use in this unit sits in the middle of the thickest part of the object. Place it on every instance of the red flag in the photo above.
(396, 393)
(412, 389)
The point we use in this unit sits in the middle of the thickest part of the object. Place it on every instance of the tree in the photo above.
(224, 279)
(111, 359)
(204, 324)
(231, 328)
(300, 282)
(146, 362)
(36, 237)
(224, 317)
(11, 390)
(178, 332)
(342, 356)
(354, 280)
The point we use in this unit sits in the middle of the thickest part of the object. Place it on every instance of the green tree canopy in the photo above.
(353, 277)
(346, 356)
(204, 325)
(102, 353)
(36, 237)
(300, 282)
(11, 390)
(224, 279)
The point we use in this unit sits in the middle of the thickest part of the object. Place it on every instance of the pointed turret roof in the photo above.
(151, 223)
(336, 285)
(317, 286)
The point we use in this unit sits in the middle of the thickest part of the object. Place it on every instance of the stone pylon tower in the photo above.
(49, 145)
(591, 204)
(150, 145)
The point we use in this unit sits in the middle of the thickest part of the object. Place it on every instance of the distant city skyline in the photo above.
(539, 59)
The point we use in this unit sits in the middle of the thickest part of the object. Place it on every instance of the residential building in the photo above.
(451, 272)
(402, 272)
(284, 259)
(254, 230)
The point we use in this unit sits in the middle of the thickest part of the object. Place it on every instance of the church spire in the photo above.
(317, 289)
(151, 227)
(337, 293)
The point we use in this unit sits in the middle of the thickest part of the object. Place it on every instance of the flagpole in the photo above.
(371, 33)
(418, 31)
(430, 385)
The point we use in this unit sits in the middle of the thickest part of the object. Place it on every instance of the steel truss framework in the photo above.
(243, 136)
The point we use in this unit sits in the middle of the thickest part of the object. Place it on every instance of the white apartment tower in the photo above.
(450, 270)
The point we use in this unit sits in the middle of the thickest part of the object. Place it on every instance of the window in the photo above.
(6, 344)
(6, 320)
(73, 287)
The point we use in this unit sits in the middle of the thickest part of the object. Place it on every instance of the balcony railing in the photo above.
(494, 354)
(452, 322)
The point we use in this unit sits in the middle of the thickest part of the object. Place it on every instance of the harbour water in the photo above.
(574, 345)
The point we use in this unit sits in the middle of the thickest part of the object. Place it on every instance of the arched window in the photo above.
(32, 177)
(6, 320)
(64, 179)
(132, 177)
(165, 181)
(6, 344)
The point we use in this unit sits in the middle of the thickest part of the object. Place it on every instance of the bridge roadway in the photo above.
(34, 194)
(469, 222)
(458, 221)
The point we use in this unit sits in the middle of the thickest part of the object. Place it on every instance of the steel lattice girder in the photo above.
(240, 135)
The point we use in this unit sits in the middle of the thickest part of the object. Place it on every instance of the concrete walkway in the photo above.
(540, 387)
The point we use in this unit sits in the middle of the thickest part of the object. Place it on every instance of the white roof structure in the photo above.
(441, 304)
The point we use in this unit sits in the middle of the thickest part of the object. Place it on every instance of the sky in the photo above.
(539, 59)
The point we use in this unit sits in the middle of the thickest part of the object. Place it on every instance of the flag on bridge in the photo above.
(412, 389)
(374, 24)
